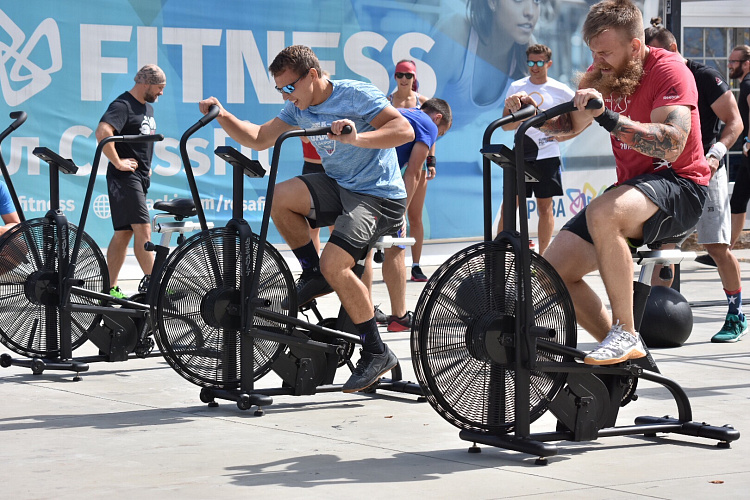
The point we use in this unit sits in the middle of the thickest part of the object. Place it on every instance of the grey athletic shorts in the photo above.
(359, 219)
(715, 225)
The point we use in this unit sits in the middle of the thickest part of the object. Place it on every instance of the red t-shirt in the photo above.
(667, 81)
(309, 152)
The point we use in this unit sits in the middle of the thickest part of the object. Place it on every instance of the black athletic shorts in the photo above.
(312, 168)
(550, 183)
(680, 203)
(127, 200)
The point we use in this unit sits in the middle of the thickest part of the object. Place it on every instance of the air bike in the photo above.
(54, 279)
(238, 321)
(494, 341)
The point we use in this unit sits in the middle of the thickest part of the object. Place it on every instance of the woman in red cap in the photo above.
(406, 96)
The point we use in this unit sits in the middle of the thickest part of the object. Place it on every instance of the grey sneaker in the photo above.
(369, 369)
(618, 346)
(380, 317)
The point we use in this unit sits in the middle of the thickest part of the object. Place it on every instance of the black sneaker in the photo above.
(369, 369)
(310, 286)
(706, 260)
(417, 274)
(380, 317)
(396, 324)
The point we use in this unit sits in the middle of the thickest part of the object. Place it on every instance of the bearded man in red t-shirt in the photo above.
(651, 113)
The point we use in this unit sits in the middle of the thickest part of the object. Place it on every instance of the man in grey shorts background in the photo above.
(716, 104)
(361, 190)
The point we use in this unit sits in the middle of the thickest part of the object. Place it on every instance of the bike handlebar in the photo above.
(19, 117)
(323, 131)
(560, 109)
(213, 112)
(134, 138)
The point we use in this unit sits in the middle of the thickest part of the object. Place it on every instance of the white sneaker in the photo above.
(618, 346)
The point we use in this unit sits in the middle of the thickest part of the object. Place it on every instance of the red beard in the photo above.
(622, 82)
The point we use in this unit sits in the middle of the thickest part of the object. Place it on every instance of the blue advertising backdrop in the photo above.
(63, 62)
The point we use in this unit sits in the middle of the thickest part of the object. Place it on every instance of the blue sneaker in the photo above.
(735, 327)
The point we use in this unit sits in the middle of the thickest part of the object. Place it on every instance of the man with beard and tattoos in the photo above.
(662, 174)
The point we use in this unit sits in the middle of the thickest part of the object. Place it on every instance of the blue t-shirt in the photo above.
(369, 171)
(6, 203)
(425, 131)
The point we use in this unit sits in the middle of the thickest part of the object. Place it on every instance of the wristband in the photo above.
(431, 161)
(608, 120)
(717, 150)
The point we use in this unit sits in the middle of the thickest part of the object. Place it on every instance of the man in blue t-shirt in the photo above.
(429, 122)
(7, 210)
(10, 219)
(361, 191)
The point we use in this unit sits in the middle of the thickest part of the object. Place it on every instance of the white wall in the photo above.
(716, 13)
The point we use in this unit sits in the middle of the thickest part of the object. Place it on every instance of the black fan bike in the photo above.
(239, 321)
(494, 342)
(53, 298)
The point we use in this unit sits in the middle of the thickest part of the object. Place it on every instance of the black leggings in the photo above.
(741, 191)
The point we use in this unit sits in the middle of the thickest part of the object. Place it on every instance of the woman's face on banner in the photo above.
(517, 18)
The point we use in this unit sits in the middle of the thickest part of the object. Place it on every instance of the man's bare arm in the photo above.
(560, 126)
(10, 220)
(664, 138)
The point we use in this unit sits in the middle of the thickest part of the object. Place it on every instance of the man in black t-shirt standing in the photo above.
(716, 104)
(739, 68)
(129, 171)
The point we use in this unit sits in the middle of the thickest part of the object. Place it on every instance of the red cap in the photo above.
(408, 67)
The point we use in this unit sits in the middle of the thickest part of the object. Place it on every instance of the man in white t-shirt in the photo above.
(538, 147)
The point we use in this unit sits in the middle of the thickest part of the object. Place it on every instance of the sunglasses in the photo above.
(408, 76)
(288, 89)
(538, 63)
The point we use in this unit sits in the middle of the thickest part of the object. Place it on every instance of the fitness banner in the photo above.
(64, 62)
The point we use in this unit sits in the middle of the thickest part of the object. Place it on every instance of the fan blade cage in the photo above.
(468, 377)
(29, 307)
(198, 309)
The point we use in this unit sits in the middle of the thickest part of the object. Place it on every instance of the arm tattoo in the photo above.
(561, 125)
(657, 140)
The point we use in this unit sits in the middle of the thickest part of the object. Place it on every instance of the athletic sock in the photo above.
(734, 299)
(308, 258)
(368, 333)
(415, 264)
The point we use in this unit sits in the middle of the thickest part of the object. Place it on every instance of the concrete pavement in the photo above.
(139, 429)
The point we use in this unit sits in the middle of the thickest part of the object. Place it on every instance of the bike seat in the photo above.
(677, 239)
(179, 207)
